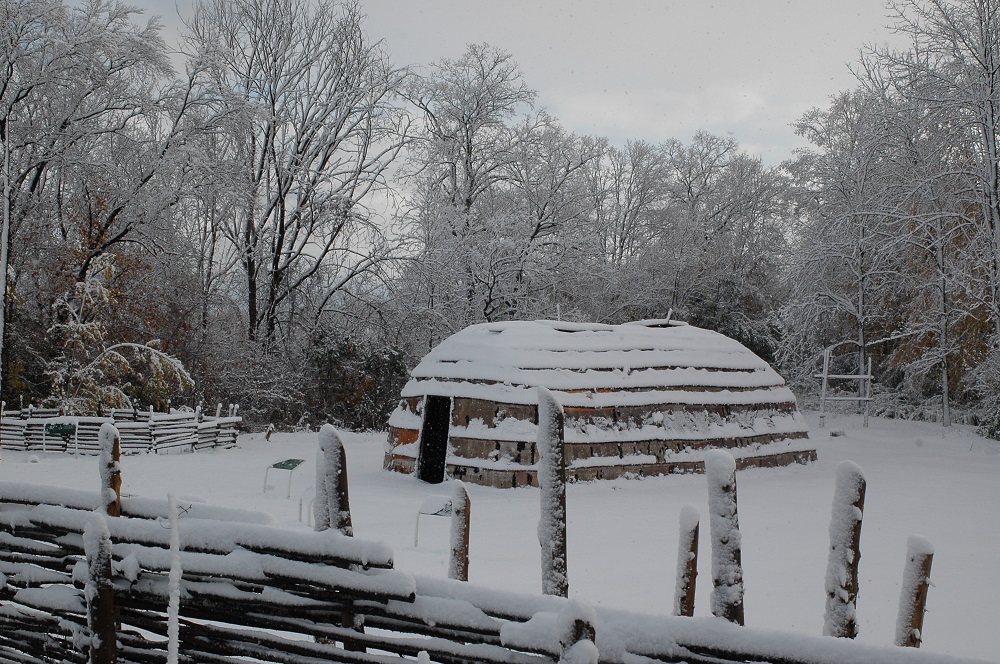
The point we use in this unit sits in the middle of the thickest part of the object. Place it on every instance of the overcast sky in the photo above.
(649, 69)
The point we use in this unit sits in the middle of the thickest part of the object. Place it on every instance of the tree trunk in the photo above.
(943, 336)
(945, 398)
(4, 242)
(862, 304)
(250, 266)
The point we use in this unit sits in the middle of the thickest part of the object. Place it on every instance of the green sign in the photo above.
(60, 429)
(288, 464)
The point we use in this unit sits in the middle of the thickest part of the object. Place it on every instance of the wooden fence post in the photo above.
(552, 482)
(174, 577)
(913, 596)
(845, 552)
(458, 564)
(727, 558)
(332, 507)
(341, 516)
(100, 592)
(577, 635)
(110, 468)
(687, 562)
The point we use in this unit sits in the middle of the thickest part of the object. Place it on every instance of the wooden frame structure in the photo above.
(865, 389)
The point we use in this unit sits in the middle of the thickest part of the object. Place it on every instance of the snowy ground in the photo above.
(623, 534)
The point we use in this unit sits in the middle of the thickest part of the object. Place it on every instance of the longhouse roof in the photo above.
(596, 365)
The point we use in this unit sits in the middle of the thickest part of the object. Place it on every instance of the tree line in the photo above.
(290, 221)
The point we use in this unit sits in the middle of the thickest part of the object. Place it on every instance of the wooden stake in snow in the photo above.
(111, 474)
(687, 562)
(458, 565)
(727, 563)
(174, 583)
(552, 482)
(913, 596)
(577, 636)
(332, 507)
(99, 591)
(845, 552)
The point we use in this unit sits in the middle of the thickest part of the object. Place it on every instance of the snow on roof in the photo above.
(503, 361)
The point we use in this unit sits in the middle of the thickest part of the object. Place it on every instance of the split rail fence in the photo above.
(93, 577)
(46, 430)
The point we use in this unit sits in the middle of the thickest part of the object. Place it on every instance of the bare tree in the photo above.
(77, 97)
(843, 249)
(944, 279)
(499, 206)
(627, 185)
(953, 68)
(317, 131)
(467, 105)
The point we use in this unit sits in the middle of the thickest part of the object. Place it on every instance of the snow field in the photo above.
(623, 534)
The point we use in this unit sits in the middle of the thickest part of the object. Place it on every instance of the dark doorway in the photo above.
(434, 439)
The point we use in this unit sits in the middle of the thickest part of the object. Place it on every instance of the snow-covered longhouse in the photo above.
(643, 398)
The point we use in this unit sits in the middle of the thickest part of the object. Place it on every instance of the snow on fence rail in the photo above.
(244, 582)
(249, 589)
(46, 430)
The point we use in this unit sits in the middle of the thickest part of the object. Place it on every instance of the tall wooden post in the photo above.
(333, 507)
(100, 592)
(174, 577)
(727, 557)
(913, 595)
(110, 469)
(340, 511)
(552, 482)
(458, 564)
(333, 502)
(687, 562)
(845, 552)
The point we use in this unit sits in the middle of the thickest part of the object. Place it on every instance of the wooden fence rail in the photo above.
(248, 588)
(101, 578)
(154, 432)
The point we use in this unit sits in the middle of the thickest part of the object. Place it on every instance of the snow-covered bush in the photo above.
(353, 383)
(96, 368)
